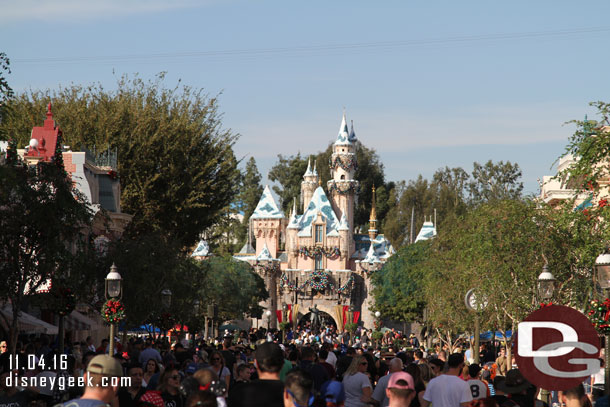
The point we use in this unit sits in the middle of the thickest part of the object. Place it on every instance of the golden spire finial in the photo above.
(373, 219)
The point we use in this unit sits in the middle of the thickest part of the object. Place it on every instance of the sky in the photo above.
(428, 84)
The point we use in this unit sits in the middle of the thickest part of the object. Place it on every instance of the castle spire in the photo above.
(308, 172)
(373, 219)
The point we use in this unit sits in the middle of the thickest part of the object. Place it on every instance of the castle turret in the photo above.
(309, 184)
(267, 222)
(343, 188)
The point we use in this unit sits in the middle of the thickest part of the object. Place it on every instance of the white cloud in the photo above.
(68, 10)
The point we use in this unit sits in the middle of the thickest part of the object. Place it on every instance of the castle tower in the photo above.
(267, 222)
(343, 188)
(309, 184)
(373, 219)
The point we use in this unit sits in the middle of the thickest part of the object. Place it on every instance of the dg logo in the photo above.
(557, 348)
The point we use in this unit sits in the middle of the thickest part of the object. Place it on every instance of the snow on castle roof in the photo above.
(427, 231)
(265, 254)
(380, 249)
(203, 249)
(267, 208)
(343, 137)
(319, 203)
(343, 224)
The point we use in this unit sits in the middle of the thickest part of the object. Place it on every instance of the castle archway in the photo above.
(325, 318)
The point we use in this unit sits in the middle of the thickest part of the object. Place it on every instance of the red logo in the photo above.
(557, 348)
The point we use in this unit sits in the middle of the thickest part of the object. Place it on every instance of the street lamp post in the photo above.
(166, 302)
(546, 284)
(113, 291)
(378, 317)
(546, 287)
(284, 319)
(602, 264)
(268, 315)
(475, 305)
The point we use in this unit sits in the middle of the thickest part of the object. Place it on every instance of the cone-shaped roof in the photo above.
(267, 207)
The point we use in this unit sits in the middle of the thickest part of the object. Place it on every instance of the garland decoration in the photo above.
(319, 280)
(543, 305)
(346, 162)
(62, 300)
(599, 315)
(266, 268)
(285, 283)
(346, 288)
(313, 251)
(352, 188)
(166, 321)
(113, 311)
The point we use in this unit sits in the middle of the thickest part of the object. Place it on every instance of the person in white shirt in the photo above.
(448, 390)
(478, 388)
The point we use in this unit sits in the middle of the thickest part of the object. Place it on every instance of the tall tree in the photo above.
(288, 172)
(41, 220)
(495, 181)
(251, 189)
(398, 285)
(176, 162)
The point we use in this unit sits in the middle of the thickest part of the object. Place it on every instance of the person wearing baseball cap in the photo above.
(101, 384)
(400, 389)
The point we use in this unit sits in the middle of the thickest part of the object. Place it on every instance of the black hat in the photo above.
(514, 383)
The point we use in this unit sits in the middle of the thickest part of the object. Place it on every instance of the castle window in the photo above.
(319, 265)
(343, 176)
(319, 234)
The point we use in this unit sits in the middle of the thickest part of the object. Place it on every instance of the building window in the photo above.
(319, 234)
(319, 265)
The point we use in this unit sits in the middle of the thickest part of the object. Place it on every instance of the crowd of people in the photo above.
(264, 368)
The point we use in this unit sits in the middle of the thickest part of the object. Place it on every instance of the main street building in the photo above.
(317, 258)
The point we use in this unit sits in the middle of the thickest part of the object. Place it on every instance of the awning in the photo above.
(77, 322)
(27, 322)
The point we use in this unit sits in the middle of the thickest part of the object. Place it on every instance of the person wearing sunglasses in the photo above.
(170, 388)
(298, 389)
(357, 385)
(218, 366)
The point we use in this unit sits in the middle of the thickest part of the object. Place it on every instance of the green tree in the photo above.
(397, 287)
(41, 220)
(176, 163)
(288, 173)
(227, 275)
(6, 92)
(495, 181)
(251, 190)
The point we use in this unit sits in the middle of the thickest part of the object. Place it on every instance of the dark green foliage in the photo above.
(40, 226)
(288, 173)
(493, 182)
(176, 163)
(233, 286)
(398, 286)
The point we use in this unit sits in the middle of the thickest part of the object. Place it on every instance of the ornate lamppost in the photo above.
(546, 287)
(602, 265)
(546, 284)
(113, 290)
(268, 315)
(475, 305)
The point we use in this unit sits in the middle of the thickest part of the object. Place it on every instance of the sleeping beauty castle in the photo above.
(315, 262)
